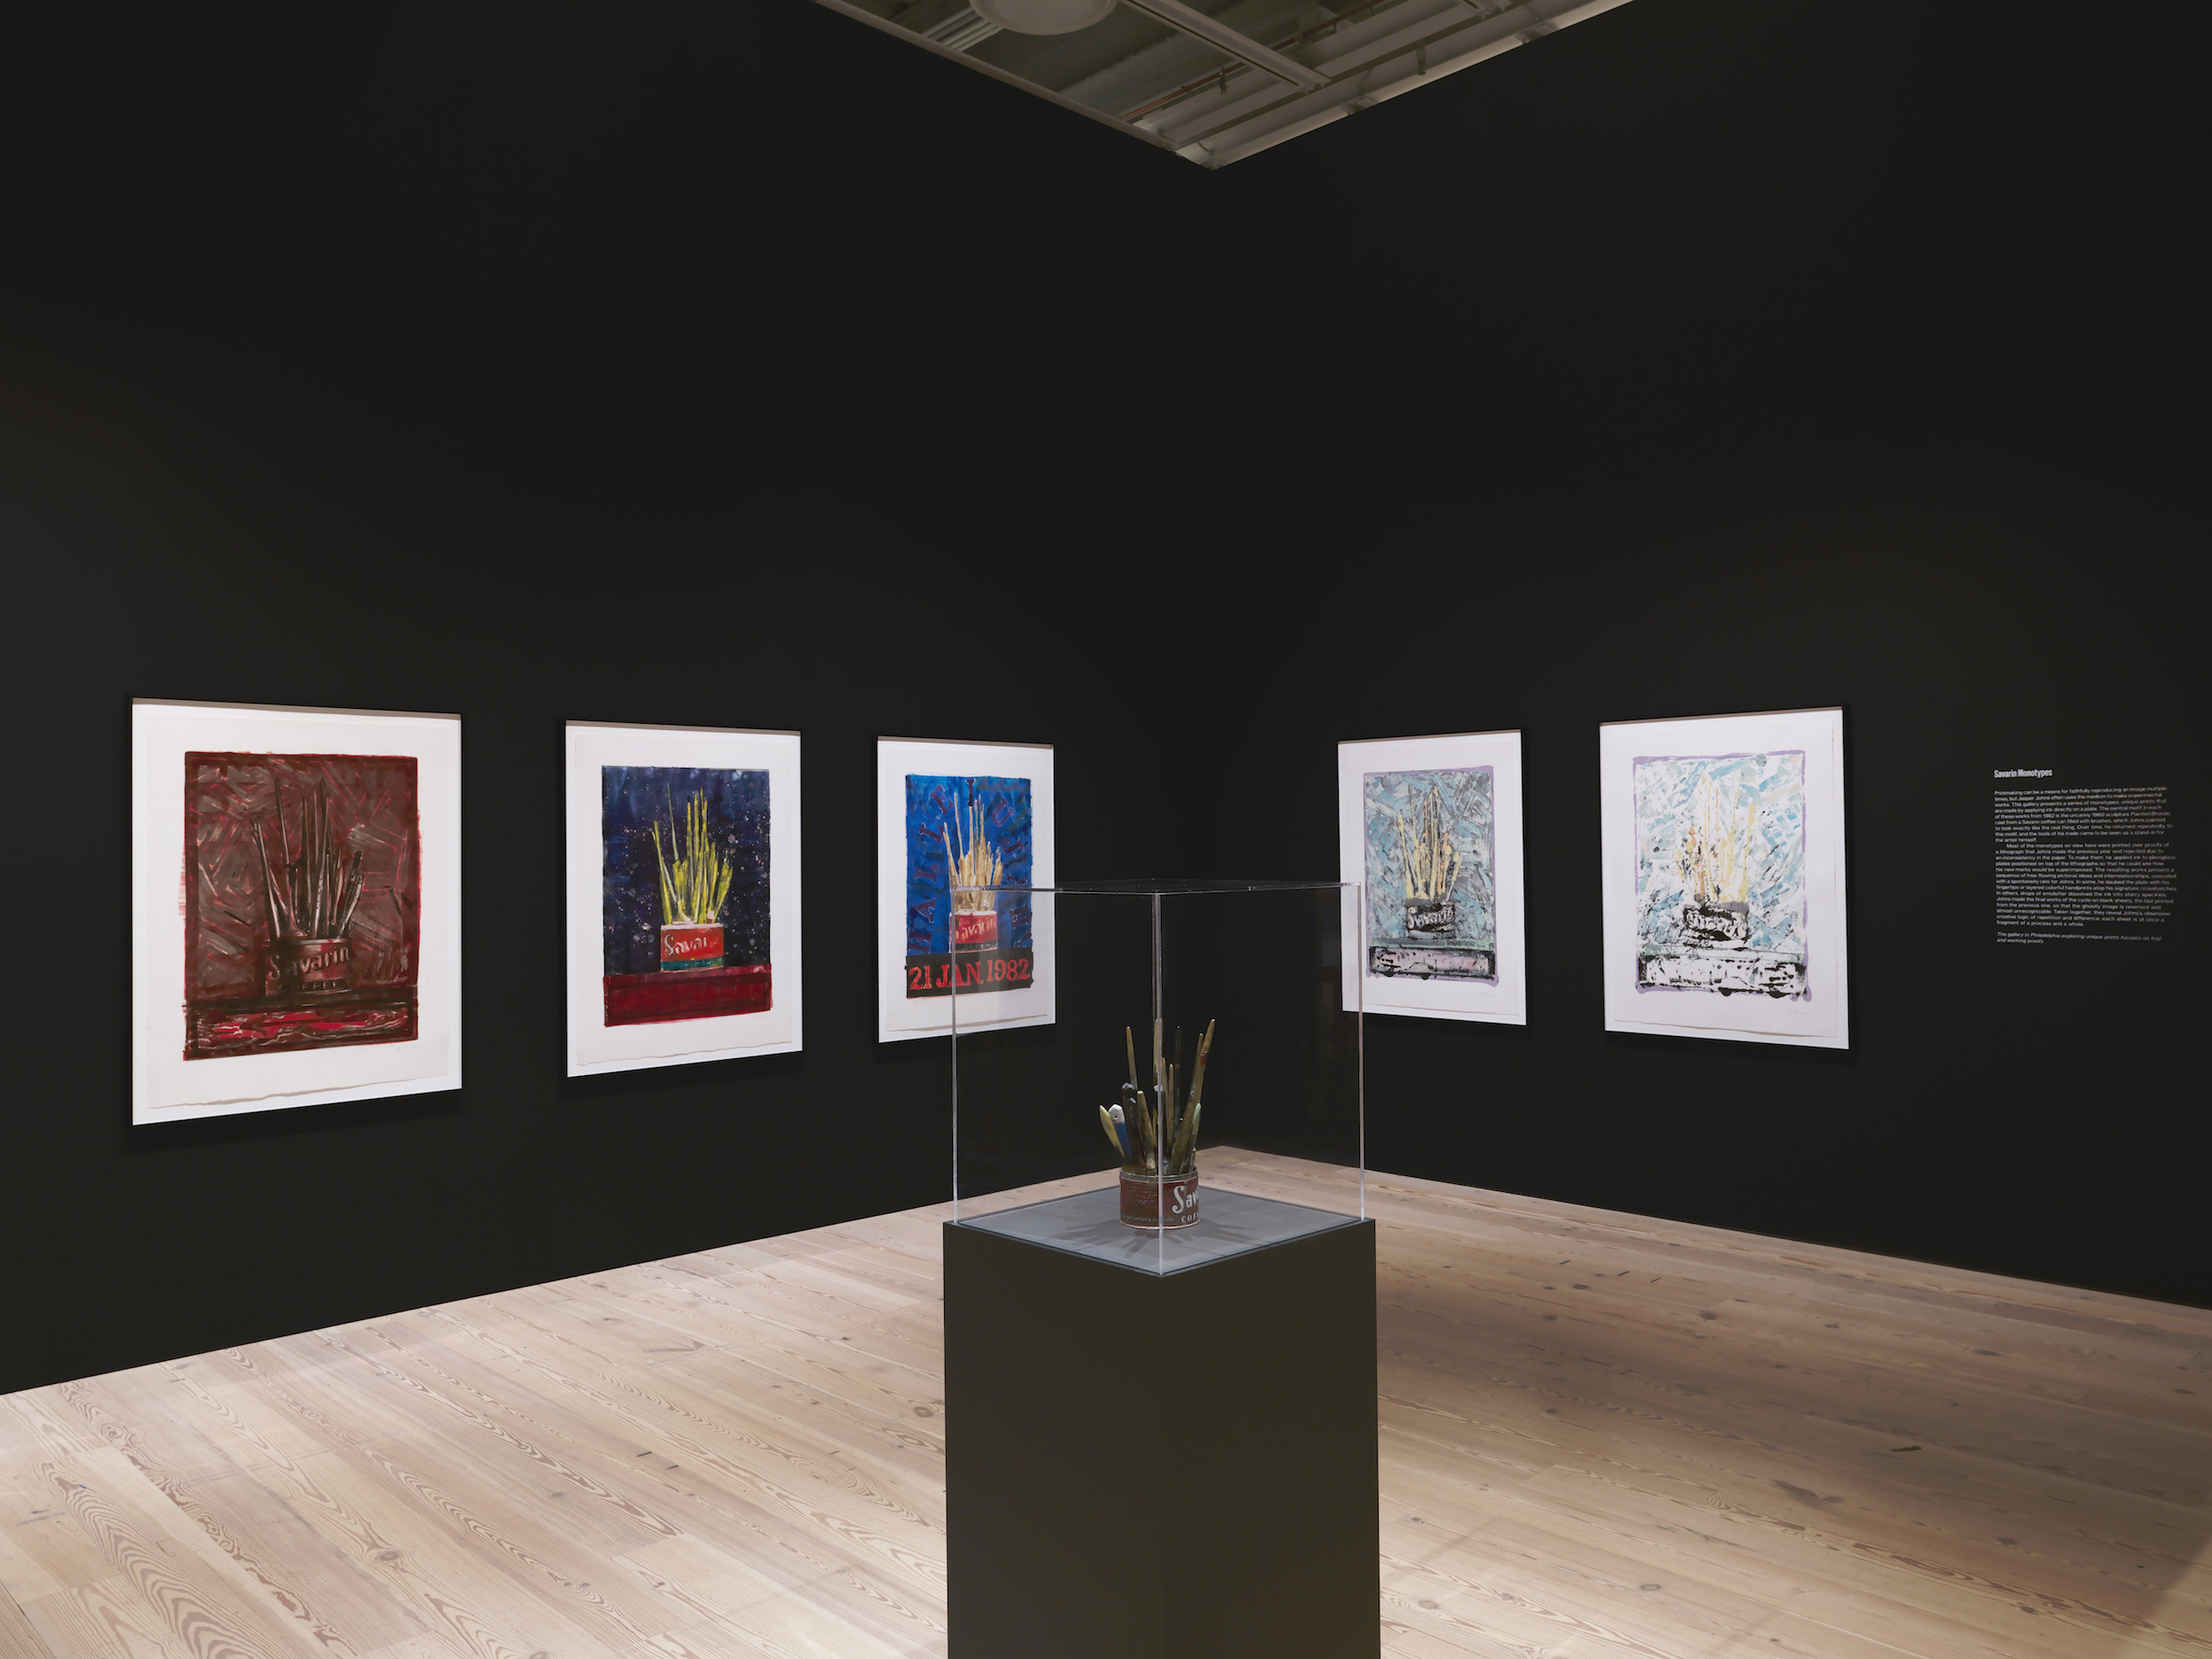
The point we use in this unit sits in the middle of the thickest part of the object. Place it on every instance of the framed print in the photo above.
(296, 907)
(1724, 894)
(683, 894)
(1430, 830)
(952, 815)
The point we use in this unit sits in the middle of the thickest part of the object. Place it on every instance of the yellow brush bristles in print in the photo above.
(1431, 860)
(1717, 848)
(974, 865)
(693, 888)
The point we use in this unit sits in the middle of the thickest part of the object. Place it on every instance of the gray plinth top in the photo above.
(1229, 1225)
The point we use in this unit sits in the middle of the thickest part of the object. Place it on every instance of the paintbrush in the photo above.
(353, 898)
(1138, 1118)
(1113, 1134)
(268, 887)
(1186, 1136)
(1162, 1086)
(1178, 1074)
(319, 860)
(1198, 1073)
(1186, 1145)
(1131, 1140)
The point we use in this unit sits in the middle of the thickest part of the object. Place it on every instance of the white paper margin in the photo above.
(899, 1018)
(167, 1088)
(1506, 1003)
(1821, 1020)
(595, 1047)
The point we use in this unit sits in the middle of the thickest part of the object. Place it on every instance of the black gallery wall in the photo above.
(1714, 358)
(538, 364)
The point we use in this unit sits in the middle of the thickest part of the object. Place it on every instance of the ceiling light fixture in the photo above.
(1043, 17)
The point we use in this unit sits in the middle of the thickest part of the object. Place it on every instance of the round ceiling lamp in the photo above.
(1043, 17)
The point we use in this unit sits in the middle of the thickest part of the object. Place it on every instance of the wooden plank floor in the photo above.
(1602, 1436)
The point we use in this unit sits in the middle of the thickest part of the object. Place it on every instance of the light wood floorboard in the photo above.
(1602, 1436)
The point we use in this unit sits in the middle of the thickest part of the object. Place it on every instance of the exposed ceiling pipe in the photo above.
(1378, 60)
(1343, 19)
(1226, 40)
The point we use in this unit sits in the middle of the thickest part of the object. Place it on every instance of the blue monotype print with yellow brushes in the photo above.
(685, 855)
(968, 841)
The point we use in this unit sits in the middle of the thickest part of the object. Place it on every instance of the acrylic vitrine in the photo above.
(1159, 1277)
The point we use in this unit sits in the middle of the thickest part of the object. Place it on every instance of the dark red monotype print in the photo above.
(303, 901)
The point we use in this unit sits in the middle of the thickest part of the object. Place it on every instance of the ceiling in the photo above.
(1217, 80)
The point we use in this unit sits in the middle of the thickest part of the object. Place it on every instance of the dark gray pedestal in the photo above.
(1142, 1465)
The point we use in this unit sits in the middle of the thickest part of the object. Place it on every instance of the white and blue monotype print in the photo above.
(1720, 873)
(1430, 873)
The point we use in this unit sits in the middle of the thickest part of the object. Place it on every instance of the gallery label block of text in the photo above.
(2084, 864)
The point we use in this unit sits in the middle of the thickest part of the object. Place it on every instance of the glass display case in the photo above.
(1199, 1092)
(1159, 1280)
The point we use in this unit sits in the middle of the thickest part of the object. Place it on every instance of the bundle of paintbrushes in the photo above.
(1425, 846)
(312, 896)
(694, 879)
(1158, 1135)
(311, 900)
(971, 867)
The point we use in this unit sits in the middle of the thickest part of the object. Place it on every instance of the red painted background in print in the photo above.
(233, 1002)
(644, 999)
